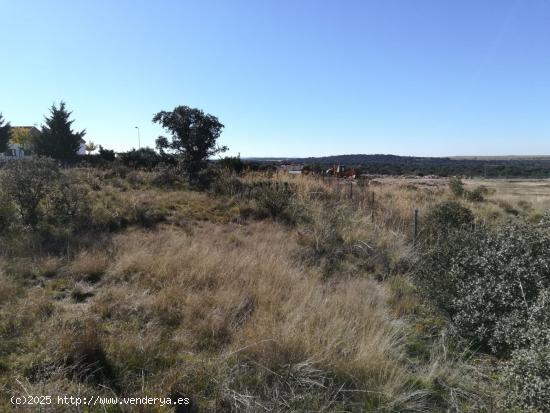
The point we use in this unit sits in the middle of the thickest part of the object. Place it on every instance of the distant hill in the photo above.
(496, 167)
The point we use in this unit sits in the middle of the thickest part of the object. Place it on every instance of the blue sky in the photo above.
(289, 78)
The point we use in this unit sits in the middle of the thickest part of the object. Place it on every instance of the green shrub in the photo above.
(166, 176)
(143, 158)
(274, 201)
(68, 205)
(204, 179)
(232, 164)
(527, 374)
(27, 183)
(456, 186)
(8, 214)
(446, 217)
(486, 281)
(107, 155)
(477, 195)
(40, 207)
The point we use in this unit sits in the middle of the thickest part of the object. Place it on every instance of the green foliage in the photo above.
(57, 139)
(487, 280)
(143, 158)
(21, 137)
(68, 205)
(232, 164)
(477, 195)
(446, 217)
(165, 176)
(106, 154)
(27, 183)
(194, 136)
(275, 201)
(5, 129)
(456, 186)
(8, 214)
(40, 205)
(527, 373)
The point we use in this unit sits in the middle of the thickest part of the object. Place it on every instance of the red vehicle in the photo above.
(340, 171)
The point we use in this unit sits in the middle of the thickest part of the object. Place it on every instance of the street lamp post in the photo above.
(139, 138)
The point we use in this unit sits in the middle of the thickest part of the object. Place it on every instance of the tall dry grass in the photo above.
(229, 311)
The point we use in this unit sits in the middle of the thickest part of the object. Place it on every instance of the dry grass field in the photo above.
(207, 295)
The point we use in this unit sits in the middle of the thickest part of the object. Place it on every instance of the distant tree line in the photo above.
(419, 166)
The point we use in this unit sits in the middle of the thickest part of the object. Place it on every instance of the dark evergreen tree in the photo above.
(194, 137)
(57, 139)
(5, 129)
(106, 154)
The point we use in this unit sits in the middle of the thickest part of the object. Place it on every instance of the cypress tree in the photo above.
(5, 129)
(57, 139)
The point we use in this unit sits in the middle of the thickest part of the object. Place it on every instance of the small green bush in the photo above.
(274, 201)
(456, 186)
(166, 176)
(477, 195)
(27, 183)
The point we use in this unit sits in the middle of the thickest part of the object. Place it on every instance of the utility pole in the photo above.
(139, 137)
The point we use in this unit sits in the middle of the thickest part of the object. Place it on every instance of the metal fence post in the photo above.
(415, 235)
(372, 207)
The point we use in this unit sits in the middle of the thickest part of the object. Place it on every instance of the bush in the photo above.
(446, 217)
(274, 201)
(486, 281)
(8, 214)
(477, 195)
(106, 154)
(144, 158)
(527, 373)
(166, 176)
(67, 205)
(204, 179)
(456, 186)
(40, 208)
(27, 183)
(232, 164)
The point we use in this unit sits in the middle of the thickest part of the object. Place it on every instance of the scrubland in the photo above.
(255, 293)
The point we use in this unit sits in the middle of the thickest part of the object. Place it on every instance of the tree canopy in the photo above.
(5, 129)
(57, 139)
(194, 136)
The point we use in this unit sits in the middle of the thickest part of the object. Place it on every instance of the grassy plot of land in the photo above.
(243, 298)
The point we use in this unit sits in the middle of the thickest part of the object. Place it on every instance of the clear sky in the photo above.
(289, 78)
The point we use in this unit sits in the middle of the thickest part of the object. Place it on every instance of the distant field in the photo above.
(529, 197)
(532, 188)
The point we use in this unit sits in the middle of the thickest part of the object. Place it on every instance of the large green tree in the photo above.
(5, 129)
(193, 139)
(57, 139)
